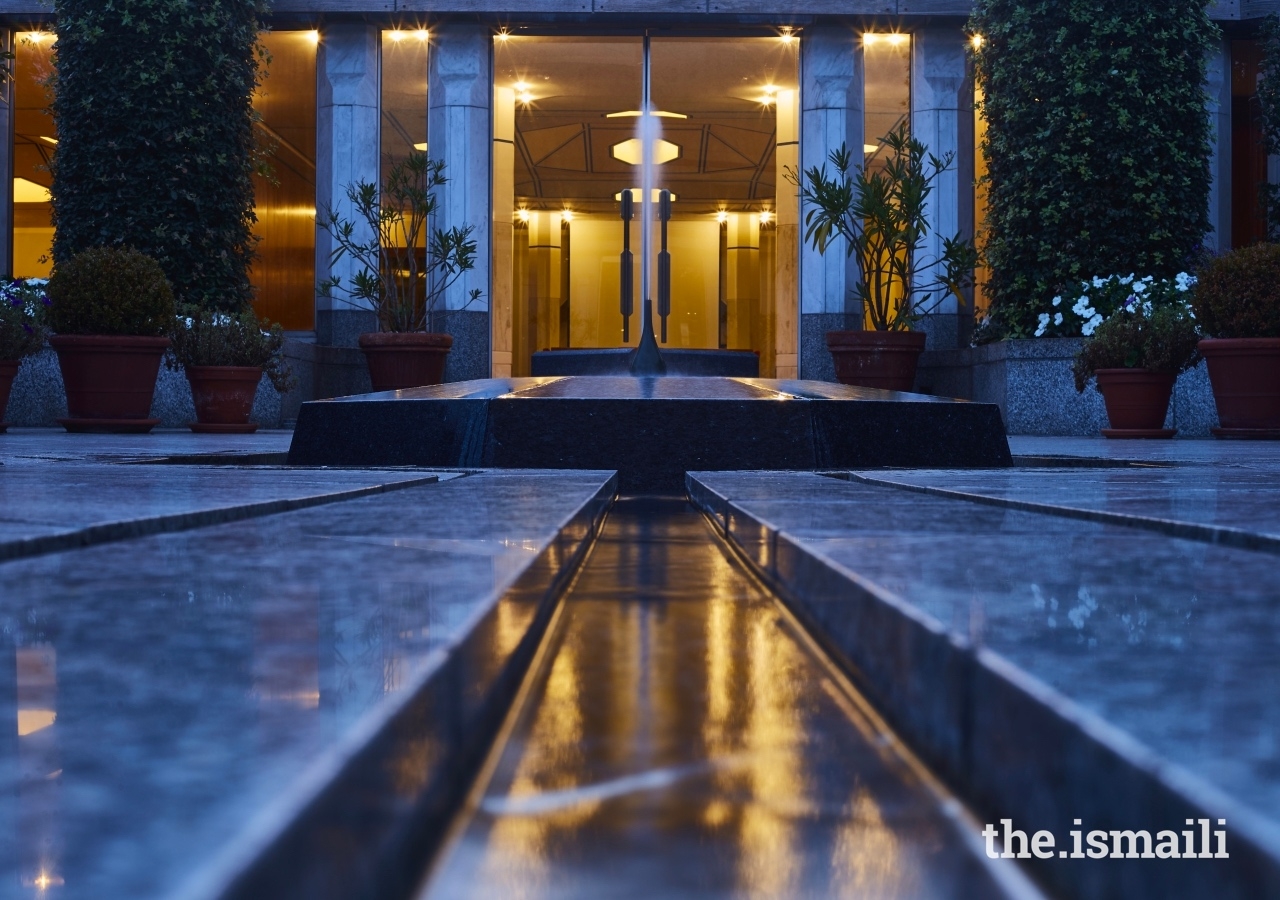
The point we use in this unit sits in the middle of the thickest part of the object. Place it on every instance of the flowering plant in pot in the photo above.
(22, 306)
(1135, 356)
(110, 310)
(881, 216)
(224, 357)
(405, 265)
(1237, 300)
(1080, 310)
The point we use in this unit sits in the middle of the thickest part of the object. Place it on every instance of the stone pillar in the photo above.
(831, 96)
(1218, 108)
(786, 292)
(347, 142)
(742, 278)
(504, 200)
(938, 75)
(460, 126)
(544, 278)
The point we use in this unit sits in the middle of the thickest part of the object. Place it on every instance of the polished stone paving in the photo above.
(682, 740)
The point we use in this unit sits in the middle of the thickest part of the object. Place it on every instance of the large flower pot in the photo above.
(405, 359)
(1137, 401)
(1245, 375)
(8, 371)
(223, 397)
(110, 381)
(876, 359)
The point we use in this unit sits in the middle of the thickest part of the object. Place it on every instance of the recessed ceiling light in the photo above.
(630, 152)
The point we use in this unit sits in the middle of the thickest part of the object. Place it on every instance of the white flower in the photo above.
(1057, 300)
(1088, 327)
(1081, 307)
(1057, 318)
(1128, 279)
(1139, 287)
(1097, 282)
(1183, 281)
(1146, 308)
(1044, 323)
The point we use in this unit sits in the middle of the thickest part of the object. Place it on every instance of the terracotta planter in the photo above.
(400, 360)
(1245, 374)
(8, 372)
(110, 381)
(223, 397)
(876, 359)
(1137, 402)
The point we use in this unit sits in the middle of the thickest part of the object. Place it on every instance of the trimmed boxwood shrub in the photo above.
(1238, 293)
(110, 290)
(1097, 145)
(152, 100)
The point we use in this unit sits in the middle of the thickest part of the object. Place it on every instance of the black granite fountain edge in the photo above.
(1223, 535)
(108, 532)
(1008, 743)
(365, 818)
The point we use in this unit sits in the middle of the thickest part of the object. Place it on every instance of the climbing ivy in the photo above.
(152, 100)
(1097, 145)
(1269, 102)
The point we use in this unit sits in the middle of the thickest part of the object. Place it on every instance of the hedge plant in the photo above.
(1269, 104)
(110, 290)
(1097, 145)
(152, 100)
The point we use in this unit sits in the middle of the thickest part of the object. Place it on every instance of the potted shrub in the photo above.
(1136, 354)
(110, 309)
(1237, 301)
(881, 215)
(404, 266)
(224, 357)
(22, 305)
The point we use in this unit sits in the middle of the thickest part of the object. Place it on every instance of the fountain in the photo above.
(639, 411)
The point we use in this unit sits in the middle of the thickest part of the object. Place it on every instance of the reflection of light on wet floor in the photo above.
(32, 720)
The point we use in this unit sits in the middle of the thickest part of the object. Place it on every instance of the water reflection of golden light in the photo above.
(32, 720)
(868, 855)
(44, 881)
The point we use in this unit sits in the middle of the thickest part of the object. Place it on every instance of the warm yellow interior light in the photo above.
(522, 214)
(421, 34)
(48, 140)
(503, 35)
(635, 195)
(421, 148)
(722, 216)
(35, 37)
(870, 148)
(635, 113)
(525, 97)
(25, 191)
(32, 720)
(893, 39)
(397, 35)
(976, 41)
(766, 216)
(566, 215)
(522, 85)
(314, 36)
(630, 150)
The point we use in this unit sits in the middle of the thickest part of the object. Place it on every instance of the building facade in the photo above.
(532, 109)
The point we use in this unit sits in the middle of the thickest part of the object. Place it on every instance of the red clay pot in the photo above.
(8, 371)
(223, 397)
(1245, 374)
(110, 381)
(876, 359)
(405, 359)
(1137, 401)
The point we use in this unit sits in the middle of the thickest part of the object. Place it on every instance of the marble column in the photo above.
(504, 200)
(543, 271)
(460, 128)
(347, 141)
(831, 97)
(1218, 108)
(783, 362)
(938, 76)
(742, 278)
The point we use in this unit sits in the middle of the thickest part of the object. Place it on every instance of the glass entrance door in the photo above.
(572, 106)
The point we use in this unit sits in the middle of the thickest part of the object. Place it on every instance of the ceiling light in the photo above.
(522, 214)
(722, 216)
(566, 215)
(870, 148)
(422, 34)
(894, 39)
(503, 35)
(25, 191)
(313, 36)
(522, 85)
(35, 37)
(525, 97)
(421, 148)
(397, 35)
(629, 151)
(976, 42)
(635, 195)
(635, 113)
(766, 216)
(48, 140)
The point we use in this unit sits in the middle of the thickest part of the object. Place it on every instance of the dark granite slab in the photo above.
(651, 430)
(617, 361)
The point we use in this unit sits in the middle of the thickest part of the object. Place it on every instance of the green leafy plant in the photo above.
(1269, 106)
(1238, 293)
(881, 215)
(1097, 145)
(152, 100)
(23, 303)
(1161, 337)
(112, 291)
(204, 338)
(405, 265)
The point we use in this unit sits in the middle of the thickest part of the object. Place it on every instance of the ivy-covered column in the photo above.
(1217, 88)
(831, 103)
(938, 75)
(460, 123)
(347, 141)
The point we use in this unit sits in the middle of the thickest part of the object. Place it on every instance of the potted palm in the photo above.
(1237, 301)
(224, 357)
(1135, 356)
(22, 305)
(110, 311)
(404, 267)
(881, 216)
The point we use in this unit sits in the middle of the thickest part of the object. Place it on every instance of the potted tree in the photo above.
(22, 333)
(404, 267)
(881, 215)
(224, 357)
(110, 309)
(1237, 301)
(1135, 356)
